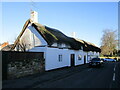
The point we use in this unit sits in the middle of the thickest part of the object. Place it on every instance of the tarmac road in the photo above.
(108, 76)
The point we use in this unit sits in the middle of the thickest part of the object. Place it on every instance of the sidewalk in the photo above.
(41, 78)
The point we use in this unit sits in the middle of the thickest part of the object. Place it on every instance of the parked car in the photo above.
(95, 62)
(109, 59)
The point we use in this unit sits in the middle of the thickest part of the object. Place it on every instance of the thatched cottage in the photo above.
(59, 50)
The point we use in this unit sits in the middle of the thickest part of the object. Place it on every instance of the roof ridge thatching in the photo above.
(41, 27)
(65, 39)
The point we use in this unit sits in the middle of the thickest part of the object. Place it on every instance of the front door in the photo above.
(72, 59)
(85, 59)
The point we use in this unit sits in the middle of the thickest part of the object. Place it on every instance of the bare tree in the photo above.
(23, 44)
(108, 42)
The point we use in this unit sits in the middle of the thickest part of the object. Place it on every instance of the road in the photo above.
(107, 76)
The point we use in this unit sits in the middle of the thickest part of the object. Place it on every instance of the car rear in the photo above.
(95, 62)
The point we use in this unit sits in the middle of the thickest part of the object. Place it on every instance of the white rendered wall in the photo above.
(31, 38)
(37, 34)
(77, 61)
(52, 58)
(26, 39)
(38, 49)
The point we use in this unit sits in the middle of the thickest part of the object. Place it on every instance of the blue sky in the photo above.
(87, 19)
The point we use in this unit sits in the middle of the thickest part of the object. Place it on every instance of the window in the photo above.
(81, 48)
(90, 58)
(60, 58)
(79, 57)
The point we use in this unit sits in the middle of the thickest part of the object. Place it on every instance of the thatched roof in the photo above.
(56, 36)
(89, 46)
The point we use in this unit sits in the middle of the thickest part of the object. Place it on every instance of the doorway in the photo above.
(72, 56)
(84, 59)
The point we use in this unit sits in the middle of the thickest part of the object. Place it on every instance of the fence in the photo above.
(18, 64)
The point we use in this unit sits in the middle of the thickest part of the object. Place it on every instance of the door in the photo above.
(84, 59)
(72, 59)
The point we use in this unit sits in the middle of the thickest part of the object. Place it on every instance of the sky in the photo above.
(87, 19)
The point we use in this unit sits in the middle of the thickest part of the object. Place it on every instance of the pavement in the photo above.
(41, 78)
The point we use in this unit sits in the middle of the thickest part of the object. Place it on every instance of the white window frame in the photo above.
(60, 57)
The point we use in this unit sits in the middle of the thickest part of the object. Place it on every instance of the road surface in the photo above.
(108, 76)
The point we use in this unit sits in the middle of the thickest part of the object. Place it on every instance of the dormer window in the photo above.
(59, 45)
(81, 47)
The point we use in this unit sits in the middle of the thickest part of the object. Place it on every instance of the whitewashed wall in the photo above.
(52, 58)
(31, 38)
(77, 61)
(26, 40)
(37, 36)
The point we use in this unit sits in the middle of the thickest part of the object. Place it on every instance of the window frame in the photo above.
(60, 57)
(79, 57)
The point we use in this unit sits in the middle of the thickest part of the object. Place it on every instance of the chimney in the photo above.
(73, 34)
(34, 16)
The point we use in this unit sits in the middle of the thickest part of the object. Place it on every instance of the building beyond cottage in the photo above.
(59, 50)
(4, 45)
